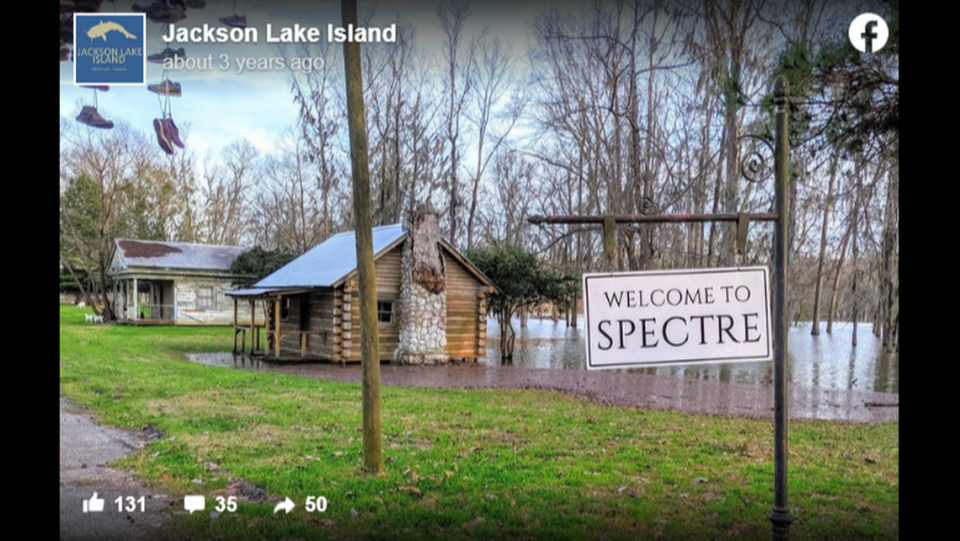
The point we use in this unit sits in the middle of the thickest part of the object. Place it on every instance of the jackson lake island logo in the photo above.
(109, 49)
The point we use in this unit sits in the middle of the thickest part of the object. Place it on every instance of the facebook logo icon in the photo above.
(868, 33)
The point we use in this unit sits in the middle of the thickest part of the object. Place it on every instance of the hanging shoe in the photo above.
(167, 15)
(101, 88)
(162, 136)
(145, 9)
(166, 88)
(236, 21)
(64, 51)
(198, 4)
(86, 6)
(166, 54)
(173, 132)
(89, 116)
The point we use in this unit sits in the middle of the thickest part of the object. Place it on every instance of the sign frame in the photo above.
(768, 328)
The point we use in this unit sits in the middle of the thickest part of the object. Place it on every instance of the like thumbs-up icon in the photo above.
(93, 505)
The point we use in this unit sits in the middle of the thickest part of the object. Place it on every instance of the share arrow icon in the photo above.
(287, 505)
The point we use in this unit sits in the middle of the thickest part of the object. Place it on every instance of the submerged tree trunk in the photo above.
(890, 290)
(574, 309)
(856, 273)
(507, 335)
(831, 310)
(815, 328)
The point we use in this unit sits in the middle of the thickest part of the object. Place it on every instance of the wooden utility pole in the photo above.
(363, 226)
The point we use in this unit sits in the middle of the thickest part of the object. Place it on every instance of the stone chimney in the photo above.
(423, 293)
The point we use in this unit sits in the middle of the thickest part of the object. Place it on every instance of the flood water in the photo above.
(821, 363)
(824, 362)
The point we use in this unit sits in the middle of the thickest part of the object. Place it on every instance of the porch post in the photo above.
(136, 308)
(276, 327)
(253, 327)
(234, 324)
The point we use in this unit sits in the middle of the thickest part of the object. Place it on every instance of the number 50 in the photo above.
(316, 503)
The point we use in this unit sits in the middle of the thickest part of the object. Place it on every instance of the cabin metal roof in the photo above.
(327, 263)
(176, 255)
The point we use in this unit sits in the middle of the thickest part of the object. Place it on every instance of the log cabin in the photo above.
(431, 300)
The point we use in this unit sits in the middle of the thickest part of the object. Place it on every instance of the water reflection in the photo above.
(825, 361)
(230, 360)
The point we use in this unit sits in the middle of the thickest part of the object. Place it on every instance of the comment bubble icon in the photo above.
(194, 503)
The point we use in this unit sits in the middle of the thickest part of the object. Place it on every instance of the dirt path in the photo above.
(85, 449)
(626, 389)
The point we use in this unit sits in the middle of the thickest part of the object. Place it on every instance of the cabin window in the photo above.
(206, 299)
(385, 311)
(285, 308)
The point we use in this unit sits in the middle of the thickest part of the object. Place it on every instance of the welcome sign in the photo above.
(109, 49)
(663, 318)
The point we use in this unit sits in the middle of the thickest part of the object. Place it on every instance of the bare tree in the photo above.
(494, 67)
(319, 96)
(224, 193)
(458, 80)
(287, 211)
(113, 184)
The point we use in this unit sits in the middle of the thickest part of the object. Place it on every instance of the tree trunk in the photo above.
(717, 196)
(507, 335)
(574, 310)
(890, 279)
(815, 328)
(107, 309)
(370, 336)
(856, 270)
(731, 186)
(609, 244)
(836, 282)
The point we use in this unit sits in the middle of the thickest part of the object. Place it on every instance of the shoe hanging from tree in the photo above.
(166, 88)
(167, 54)
(89, 116)
(235, 21)
(162, 138)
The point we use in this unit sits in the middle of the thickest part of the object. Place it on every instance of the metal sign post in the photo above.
(779, 515)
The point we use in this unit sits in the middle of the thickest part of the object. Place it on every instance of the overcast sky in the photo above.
(219, 107)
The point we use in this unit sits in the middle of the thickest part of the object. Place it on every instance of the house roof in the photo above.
(176, 255)
(331, 262)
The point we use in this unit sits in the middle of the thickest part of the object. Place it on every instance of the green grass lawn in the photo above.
(462, 464)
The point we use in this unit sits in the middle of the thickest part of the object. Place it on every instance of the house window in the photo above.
(206, 299)
(385, 311)
(285, 309)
